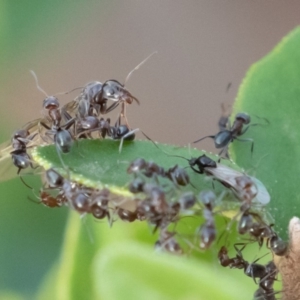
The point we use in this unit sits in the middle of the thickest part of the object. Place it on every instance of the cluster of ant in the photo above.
(159, 199)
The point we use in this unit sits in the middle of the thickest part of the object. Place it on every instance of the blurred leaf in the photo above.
(133, 271)
(99, 262)
(271, 90)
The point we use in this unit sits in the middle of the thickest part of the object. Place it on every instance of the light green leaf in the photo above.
(271, 90)
(98, 163)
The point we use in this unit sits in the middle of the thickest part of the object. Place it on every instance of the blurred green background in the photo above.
(201, 47)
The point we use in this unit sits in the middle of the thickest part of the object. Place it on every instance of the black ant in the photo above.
(226, 135)
(252, 270)
(244, 187)
(168, 243)
(208, 229)
(19, 143)
(175, 174)
(260, 231)
(154, 208)
(99, 204)
(62, 137)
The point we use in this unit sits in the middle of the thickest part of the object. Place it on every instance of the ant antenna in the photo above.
(37, 83)
(23, 181)
(171, 155)
(68, 92)
(138, 66)
(228, 86)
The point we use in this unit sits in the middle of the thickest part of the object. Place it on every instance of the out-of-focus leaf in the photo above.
(132, 271)
(271, 90)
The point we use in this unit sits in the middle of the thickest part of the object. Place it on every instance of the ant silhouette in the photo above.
(228, 133)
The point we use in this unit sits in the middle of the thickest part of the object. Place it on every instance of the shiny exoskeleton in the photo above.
(227, 135)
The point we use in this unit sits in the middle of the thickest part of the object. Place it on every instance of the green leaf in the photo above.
(271, 90)
(133, 271)
(98, 163)
(99, 262)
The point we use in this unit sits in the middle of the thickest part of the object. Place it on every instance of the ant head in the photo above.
(50, 102)
(22, 133)
(243, 117)
(112, 90)
(115, 91)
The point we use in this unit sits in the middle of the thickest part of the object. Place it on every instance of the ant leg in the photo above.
(112, 107)
(247, 140)
(19, 170)
(125, 136)
(225, 149)
(123, 114)
(209, 136)
(224, 122)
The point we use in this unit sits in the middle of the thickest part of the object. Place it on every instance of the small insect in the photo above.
(155, 208)
(16, 149)
(246, 188)
(208, 229)
(226, 135)
(168, 243)
(260, 231)
(175, 174)
(99, 204)
(253, 270)
(236, 262)
(50, 200)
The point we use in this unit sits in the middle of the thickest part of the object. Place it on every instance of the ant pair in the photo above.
(83, 200)
(267, 274)
(260, 231)
(95, 95)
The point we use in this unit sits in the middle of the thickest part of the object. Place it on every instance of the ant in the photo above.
(260, 231)
(61, 136)
(19, 155)
(175, 174)
(19, 146)
(99, 204)
(265, 290)
(208, 229)
(154, 208)
(245, 187)
(81, 199)
(252, 270)
(49, 200)
(227, 135)
(168, 243)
